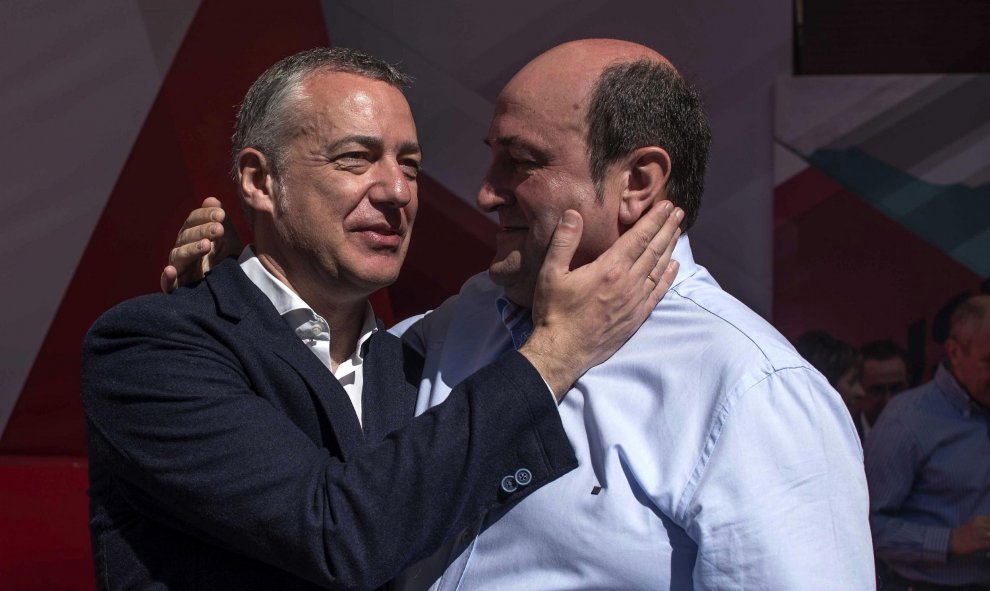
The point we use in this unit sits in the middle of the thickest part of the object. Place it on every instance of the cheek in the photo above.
(412, 208)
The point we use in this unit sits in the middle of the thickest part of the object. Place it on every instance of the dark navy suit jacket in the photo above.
(224, 455)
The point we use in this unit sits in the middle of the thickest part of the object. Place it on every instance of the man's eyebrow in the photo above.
(410, 148)
(373, 143)
(510, 141)
(505, 141)
(367, 141)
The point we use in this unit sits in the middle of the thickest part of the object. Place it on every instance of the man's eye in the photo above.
(356, 162)
(410, 168)
(522, 163)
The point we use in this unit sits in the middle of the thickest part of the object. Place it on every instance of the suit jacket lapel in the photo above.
(324, 388)
(239, 299)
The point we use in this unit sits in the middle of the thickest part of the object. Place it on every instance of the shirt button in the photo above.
(509, 484)
(523, 476)
(317, 331)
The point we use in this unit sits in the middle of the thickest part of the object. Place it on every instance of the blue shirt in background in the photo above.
(928, 466)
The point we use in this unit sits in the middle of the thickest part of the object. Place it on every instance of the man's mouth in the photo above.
(383, 235)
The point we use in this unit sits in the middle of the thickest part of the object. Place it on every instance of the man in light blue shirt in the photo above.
(926, 461)
(721, 459)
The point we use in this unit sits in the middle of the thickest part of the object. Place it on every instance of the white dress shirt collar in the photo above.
(311, 327)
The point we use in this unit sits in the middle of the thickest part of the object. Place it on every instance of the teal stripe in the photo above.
(953, 218)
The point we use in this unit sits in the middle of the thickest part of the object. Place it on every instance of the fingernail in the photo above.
(213, 230)
(215, 216)
(667, 206)
(569, 219)
(672, 266)
(679, 214)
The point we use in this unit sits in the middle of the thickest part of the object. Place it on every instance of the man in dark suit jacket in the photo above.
(225, 454)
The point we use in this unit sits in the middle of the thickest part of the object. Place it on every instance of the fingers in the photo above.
(169, 279)
(207, 230)
(636, 240)
(564, 243)
(185, 257)
(654, 258)
(199, 232)
(664, 284)
(661, 265)
(210, 211)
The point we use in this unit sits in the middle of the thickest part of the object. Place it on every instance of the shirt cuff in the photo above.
(936, 544)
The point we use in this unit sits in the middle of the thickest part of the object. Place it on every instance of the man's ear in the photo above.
(644, 176)
(256, 180)
(953, 349)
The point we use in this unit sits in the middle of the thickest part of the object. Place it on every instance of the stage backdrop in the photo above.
(117, 118)
(882, 205)
(116, 121)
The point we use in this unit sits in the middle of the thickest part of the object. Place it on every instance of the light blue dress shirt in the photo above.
(926, 461)
(711, 456)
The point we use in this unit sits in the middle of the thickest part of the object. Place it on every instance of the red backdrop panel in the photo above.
(181, 155)
(43, 509)
(842, 266)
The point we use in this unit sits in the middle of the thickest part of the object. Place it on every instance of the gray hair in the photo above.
(266, 116)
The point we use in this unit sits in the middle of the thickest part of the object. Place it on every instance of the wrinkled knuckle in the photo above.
(643, 238)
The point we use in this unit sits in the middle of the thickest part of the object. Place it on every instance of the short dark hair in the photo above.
(967, 313)
(648, 103)
(882, 350)
(265, 117)
(827, 354)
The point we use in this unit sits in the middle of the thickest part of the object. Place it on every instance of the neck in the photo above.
(344, 315)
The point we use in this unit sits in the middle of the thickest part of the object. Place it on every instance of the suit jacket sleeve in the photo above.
(173, 415)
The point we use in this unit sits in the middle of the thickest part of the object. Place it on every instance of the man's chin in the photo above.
(518, 291)
(518, 284)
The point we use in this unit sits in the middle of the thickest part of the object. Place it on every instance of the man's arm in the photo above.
(780, 501)
(174, 416)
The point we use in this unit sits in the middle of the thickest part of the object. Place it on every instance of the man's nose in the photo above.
(392, 186)
(491, 195)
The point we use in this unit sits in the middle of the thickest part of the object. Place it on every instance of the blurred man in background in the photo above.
(927, 467)
(884, 375)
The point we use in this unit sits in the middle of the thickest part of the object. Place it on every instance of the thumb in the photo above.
(564, 243)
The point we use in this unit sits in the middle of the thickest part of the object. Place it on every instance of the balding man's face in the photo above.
(539, 169)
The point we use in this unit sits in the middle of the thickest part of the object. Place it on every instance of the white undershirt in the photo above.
(311, 327)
